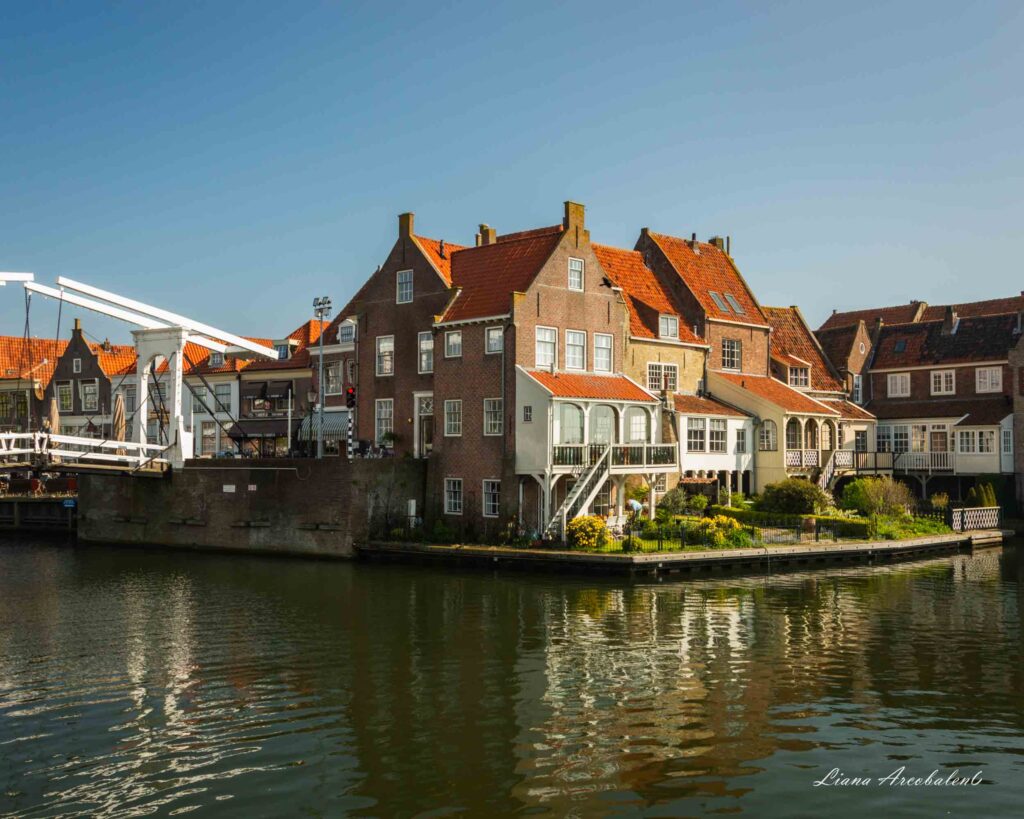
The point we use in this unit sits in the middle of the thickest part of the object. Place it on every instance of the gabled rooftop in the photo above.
(594, 387)
(794, 344)
(711, 276)
(34, 358)
(837, 343)
(646, 297)
(898, 314)
(779, 394)
(977, 338)
(705, 405)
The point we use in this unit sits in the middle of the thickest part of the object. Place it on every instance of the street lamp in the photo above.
(322, 309)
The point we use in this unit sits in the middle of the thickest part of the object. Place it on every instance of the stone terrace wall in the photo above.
(269, 505)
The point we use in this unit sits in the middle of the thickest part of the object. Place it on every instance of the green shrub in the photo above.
(877, 496)
(844, 527)
(940, 501)
(793, 496)
(855, 497)
(649, 530)
(698, 503)
(673, 502)
(586, 533)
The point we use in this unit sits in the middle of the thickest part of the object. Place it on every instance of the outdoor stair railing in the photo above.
(580, 495)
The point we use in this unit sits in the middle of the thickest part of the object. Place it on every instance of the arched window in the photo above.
(603, 429)
(570, 425)
(637, 425)
(769, 437)
(811, 435)
(793, 434)
(826, 435)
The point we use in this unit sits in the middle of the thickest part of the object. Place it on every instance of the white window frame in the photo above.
(718, 435)
(598, 363)
(81, 394)
(553, 341)
(668, 326)
(449, 345)
(380, 356)
(693, 426)
(800, 376)
(581, 270)
(70, 408)
(894, 385)
(378, 419)
(453, 412)
(332, 383)
(492, 491)
(984, 382)
(734, 346)
(1007, 439)
(942, 388)
(963, 437)
(741, 441)
(496, 406)
(528, 413)
(216, 359)
(421, 350)
(858, 389)
(76, 365)
(657, 375)
(582, 347)
(403, 287)
(218, 405)
(452, 492)
(349, 329)
(494, 332)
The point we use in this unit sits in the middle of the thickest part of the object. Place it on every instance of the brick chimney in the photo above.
(405, 224)
(486, 236)
(574, 216)
(949, 321)
(717, 241)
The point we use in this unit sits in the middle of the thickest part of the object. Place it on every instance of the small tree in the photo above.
(794, 496)
(887, 497)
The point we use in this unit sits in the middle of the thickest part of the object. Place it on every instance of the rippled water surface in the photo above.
(136, 682)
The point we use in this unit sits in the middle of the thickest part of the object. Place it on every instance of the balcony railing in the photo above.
(924, 462)
(797, 458)
(639, 455)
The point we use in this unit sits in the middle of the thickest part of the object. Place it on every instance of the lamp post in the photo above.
(322, 309)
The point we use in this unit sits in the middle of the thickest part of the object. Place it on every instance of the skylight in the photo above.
(735, 305)
(901, 345)
(717, 298)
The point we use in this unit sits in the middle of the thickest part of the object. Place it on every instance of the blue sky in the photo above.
(231, 162)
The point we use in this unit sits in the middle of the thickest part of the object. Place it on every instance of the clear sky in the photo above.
(232, 161)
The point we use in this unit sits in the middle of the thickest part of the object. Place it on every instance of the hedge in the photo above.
(843, 527)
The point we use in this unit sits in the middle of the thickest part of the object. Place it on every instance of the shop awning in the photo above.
(335, 427)
(279, 389)
(261, 428)
(253, 389)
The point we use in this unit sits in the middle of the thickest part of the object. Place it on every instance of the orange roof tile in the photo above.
(849, 410)
(988, 307)
(119, 359)
(780, 394)
(600, 387)
(708, 269)
(837, 342)
(440, 258)
(977, 338)
(704, 405)
(793, 343)
(34, 359)
(488, 275)
(646, 297)
(528, 234)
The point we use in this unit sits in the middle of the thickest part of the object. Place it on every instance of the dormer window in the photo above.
(575, 274)
(346, 333)
(216, 359)
(799, 376)
(668, 327)
(282, 351)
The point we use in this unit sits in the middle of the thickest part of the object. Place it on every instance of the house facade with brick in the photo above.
(1017, 371)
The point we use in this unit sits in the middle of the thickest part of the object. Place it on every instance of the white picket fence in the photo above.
(977, 517)
(71, 448)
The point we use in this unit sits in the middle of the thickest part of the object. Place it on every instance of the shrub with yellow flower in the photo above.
(586, 533)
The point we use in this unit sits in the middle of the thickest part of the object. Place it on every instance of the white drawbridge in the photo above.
(161, 337)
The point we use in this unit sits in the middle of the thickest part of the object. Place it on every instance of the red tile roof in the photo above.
(704, 405)
(792, 339)
(837, 343)
(849, 410)
(529, 234)
(988, 307)
(35, 359)
(488, 275)
(977, 338)
(997, 407)
(646, 298)
(307, 334)
(119, 359)
(708, 268)
(900, 314)
(441, 259)
(771, 389)
(600, 387)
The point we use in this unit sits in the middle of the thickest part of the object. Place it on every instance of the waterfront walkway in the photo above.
(759, 558)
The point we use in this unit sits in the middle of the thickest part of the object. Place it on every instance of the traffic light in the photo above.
(350, 397)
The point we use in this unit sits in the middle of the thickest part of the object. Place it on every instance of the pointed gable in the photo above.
(646, 297)
(793, 344)
(713, 279)
(439, 254)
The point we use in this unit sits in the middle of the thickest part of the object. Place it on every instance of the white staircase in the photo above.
(582, 494)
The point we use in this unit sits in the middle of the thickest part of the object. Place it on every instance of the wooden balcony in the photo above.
(941, 462)
(625, 458)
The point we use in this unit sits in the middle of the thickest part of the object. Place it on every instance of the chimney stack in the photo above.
(405, 224)
(574, 216)
(717, 241)
(949, 322)
(486, 236)
(440, 248)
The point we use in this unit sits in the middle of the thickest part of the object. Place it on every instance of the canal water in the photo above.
(140, 682)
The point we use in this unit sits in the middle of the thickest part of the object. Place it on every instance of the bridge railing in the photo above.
(69, 448)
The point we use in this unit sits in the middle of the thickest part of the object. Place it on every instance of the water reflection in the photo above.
(133, 682)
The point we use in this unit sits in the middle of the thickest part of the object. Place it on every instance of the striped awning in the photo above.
(335, 426)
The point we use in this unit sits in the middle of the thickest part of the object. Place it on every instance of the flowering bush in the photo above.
(725, 532)
(587, 532)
